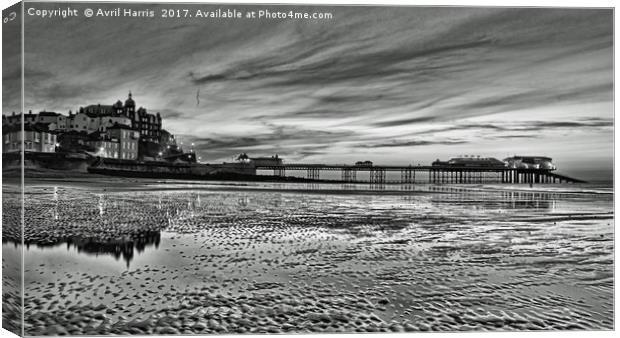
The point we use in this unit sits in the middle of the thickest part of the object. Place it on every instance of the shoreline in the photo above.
(120, 184)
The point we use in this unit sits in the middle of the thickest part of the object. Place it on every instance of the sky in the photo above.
(394, 85)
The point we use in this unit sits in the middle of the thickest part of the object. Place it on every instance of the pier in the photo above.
(426, 174)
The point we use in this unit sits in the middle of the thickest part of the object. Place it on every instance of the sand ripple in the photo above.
(272, 262)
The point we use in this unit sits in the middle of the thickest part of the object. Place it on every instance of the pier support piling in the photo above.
(313, 173)
(349, 175)
(377, 176)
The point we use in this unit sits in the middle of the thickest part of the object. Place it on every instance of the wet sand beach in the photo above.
(149, 257)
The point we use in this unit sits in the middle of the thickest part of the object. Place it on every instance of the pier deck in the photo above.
(428, 174)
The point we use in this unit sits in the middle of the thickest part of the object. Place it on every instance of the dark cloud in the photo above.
(304, 114)
(515, 136)
(309, 153)
(401, 122)
(543, 125)
(413, 143)
(230, 142)
(532, 126)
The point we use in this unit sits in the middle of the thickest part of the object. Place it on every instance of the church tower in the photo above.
(130, 110)
(130, 104)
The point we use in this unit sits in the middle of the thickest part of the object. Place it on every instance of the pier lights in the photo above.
(160, 154)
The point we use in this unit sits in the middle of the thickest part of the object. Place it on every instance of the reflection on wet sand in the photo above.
(504, 200)
(120, 248)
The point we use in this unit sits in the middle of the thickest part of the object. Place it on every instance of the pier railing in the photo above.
(426, 174)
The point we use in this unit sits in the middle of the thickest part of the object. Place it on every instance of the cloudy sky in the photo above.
(392, 85)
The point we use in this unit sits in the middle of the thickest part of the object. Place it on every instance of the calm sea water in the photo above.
(387, 257)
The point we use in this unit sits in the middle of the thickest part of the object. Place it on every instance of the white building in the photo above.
(35, 138)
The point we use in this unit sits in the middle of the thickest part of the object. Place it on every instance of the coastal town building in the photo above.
(127, 138)
(90, 122)
(54, 120)
(149, 125)
(36, 138)
(119, 141)
(104, 146)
